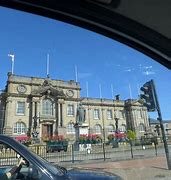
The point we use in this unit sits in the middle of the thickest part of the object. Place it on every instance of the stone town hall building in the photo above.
(51, 106)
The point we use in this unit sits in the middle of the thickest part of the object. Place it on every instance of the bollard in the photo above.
(72, 152)
(155, 147)
(104, 155)
(37, 150)
(131, 151)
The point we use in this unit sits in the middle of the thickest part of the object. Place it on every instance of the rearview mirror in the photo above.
(33, 172)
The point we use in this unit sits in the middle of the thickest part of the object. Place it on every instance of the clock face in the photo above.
(21, 89)
(70, 93)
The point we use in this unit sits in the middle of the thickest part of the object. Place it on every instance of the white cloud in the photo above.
(129, 69)
(148, 73)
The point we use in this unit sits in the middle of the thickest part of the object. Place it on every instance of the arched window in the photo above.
(122, 128)
(70, 128)
(47, 108)
(19, 128)
(110, 128)
(141, 127)
(97, 129)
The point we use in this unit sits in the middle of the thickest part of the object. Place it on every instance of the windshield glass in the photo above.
(71, 95)
(56, 170)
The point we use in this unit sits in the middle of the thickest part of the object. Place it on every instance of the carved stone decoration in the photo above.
(70, 93)
(46, 83)
(49, 90)
(21, 89)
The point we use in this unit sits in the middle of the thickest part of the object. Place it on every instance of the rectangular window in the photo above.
(96, 114)
(70, 110)
(20, 108)
(47, 107)
(109, 114)
(120, 114)
(15, 130)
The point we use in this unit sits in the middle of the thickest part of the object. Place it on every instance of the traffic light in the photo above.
(148, 96)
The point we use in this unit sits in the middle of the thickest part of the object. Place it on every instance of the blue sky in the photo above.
(99, 60)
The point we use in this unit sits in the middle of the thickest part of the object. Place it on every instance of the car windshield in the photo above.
(73, 96)
(56, 170)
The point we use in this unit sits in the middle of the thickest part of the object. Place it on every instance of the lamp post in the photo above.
(2, 114)
(35, 133)
(35, 119)
(116, 124)
(115, 142)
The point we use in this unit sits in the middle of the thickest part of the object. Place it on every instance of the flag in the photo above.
(11, 56)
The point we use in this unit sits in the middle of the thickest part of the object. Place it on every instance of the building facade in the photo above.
(50, 107)
(156, 129)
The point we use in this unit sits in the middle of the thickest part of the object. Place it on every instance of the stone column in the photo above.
(61, 115)
(2, 119)
(135, 115)
(8, 113)
(60, 112)
(89, 125)
(103, 127)
(132, 119)
(56, 116)
(146, 118)
(30, 116)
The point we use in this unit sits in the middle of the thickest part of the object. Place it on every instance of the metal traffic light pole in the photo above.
(161, 123)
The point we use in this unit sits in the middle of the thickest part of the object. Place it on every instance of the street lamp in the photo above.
(116, 124)
(35, 133)
(35, 119)
(115, 142)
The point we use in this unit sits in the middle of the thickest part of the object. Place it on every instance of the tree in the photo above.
(131, 135)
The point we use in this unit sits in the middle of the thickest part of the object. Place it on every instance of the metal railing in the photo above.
(100, 151)
(86, 152)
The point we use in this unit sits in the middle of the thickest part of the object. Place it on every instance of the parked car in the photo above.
(38, 168)
(57, 146)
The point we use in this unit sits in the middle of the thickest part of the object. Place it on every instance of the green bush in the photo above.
(131, 135)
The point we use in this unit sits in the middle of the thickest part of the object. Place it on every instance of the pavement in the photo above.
(154, 168)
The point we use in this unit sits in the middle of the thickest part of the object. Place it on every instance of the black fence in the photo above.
(87, 152)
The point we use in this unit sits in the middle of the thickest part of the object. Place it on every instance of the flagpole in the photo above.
(130, 91)
(138, 90)
(112, 91)
(87, 89)
(100, 90)
(76, 74)
(47, 65)
(12, 62)
(13, 65)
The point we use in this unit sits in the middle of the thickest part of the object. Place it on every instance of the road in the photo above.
(153, 168)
